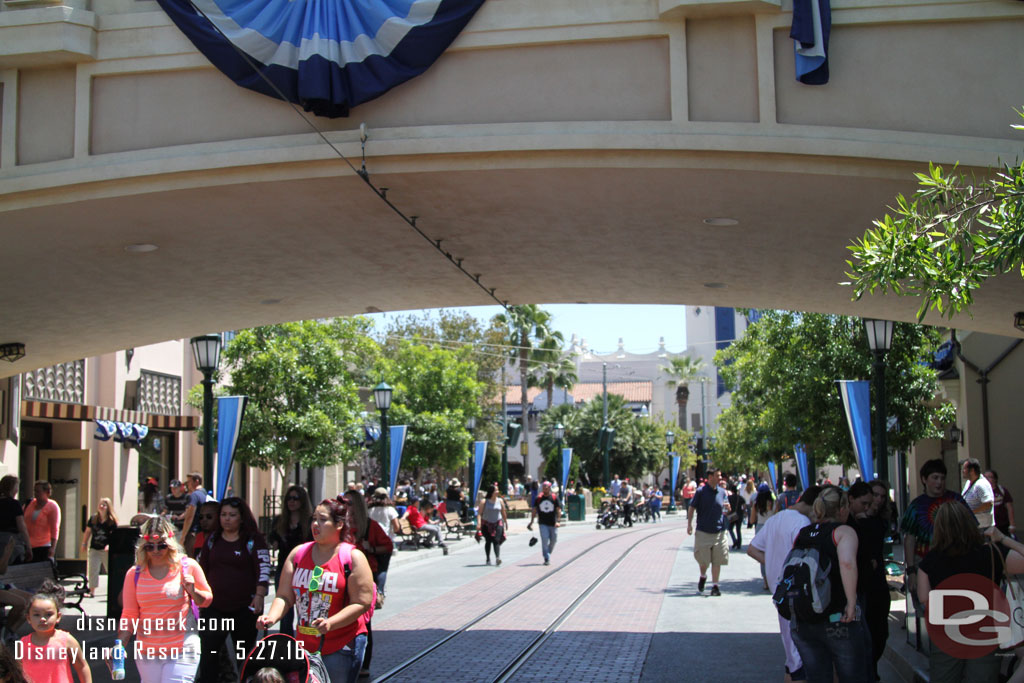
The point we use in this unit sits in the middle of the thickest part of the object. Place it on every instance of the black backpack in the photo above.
(805, 590)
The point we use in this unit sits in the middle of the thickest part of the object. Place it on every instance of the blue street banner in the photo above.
(397, 436)
(230, 410)
(857, 404)
(773, 475)
(324, 55)
(566, 461)
(801, 464)
(673, 478)
(479, 453)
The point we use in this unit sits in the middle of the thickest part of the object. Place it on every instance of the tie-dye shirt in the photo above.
(919, 519)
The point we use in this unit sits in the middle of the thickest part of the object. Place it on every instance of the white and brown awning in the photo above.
(87, 413)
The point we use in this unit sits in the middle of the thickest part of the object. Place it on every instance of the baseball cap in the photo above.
(380, 491)
(175, 482)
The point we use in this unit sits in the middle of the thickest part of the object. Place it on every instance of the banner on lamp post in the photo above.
(857, 405)
(396, 437)
(801, 464)
(773, 475)
(479, 453)
(673, 478)
(566, 461)
(230, 410)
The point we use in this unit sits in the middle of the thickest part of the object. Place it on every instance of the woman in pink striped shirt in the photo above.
(159, 594)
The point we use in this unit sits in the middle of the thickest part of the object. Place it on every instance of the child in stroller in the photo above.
(279, 658)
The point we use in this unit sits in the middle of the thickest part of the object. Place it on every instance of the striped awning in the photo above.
(87, 413)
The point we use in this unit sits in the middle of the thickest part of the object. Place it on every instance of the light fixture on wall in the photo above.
(956, 435)
(1018, 320)
(12, 352)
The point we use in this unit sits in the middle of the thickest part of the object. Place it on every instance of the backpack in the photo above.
(805, 589)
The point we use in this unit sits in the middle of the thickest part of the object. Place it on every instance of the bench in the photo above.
(407, 536)
(453, 525)
(517, 508)
(29, 577)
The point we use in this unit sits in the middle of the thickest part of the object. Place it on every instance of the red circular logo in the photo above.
(968, 616)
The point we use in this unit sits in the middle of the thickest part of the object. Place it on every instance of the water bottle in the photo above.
(117, 672)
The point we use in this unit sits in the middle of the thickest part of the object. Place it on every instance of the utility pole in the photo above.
(605, 440)
(504, 431)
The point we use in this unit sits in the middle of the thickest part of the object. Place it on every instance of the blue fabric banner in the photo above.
(673, 479)
(801, 464)
(566, 461)
(230, 410)
(812, 25)
(325, 55)
(773, 476)
(397, 443)
(857, 404)
(479, 453)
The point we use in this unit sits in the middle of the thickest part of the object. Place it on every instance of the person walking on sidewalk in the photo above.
(710, 547)
(547, 511)
(770, 546)
(291, 529)
(42, 517)
(97, 539)
(493, 523)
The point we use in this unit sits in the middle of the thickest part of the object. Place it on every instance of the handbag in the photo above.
(533, 541)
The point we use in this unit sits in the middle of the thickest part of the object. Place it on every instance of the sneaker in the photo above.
(487, 561)
(445, 549)
(700, 584)
(715, 591)
(547, 562)
(364, 673)
(497, 562)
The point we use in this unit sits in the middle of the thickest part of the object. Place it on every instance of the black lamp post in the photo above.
(670, 439)
(206, 350)
(559, 433)
(880, 341)
(382, 397)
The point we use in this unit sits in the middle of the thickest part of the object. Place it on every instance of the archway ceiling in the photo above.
(323, 245)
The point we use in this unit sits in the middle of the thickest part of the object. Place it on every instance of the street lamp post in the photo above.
(206, 350)
(559, 435)
(382, 397)
(880, 341)
(670, 439)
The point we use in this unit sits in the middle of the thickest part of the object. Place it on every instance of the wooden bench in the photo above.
(517, 508)
(408, 536)
(29, 577)
(453, 525)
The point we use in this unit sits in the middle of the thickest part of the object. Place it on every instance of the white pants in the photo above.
(172, 670)
(96, 558)
(793, 661)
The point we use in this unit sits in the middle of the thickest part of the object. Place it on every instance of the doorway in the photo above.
(68, 474)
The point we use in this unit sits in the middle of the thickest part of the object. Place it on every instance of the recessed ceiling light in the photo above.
(270, 302)
(140, 248)
(721, 221)
(715, 285)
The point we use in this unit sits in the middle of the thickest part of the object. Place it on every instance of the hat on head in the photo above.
(175, 482)
(454, 482)
(380, 491)
(414, 499)
(152, 480)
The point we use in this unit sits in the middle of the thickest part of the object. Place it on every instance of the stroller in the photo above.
(609, 515)
(286, 655)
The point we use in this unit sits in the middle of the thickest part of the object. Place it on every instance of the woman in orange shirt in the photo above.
(159, 594)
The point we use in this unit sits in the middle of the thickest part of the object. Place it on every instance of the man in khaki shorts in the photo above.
(710, 547)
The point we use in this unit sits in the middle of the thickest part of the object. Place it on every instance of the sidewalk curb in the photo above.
(911, 665)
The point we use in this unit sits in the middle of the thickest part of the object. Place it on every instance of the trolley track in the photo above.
(514, 661)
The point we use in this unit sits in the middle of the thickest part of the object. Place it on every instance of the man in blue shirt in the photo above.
(709, 548)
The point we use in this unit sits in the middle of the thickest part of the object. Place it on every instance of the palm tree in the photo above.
(559, 373)
(528, 330)
(682, 369)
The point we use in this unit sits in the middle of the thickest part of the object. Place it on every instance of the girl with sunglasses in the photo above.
(158, 595)
(237, 560)
(329, 583)
(291, 529)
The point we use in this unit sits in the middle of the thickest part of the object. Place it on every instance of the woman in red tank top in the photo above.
(329, 584)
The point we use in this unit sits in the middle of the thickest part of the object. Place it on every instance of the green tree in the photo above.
(531, 341)
(783, 374)
(943, 243)
(639, 447)
(681, 371)
(557, 373)
(302, 381)
(435, 391)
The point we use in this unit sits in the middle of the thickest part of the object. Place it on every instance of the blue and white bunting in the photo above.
(324, 55)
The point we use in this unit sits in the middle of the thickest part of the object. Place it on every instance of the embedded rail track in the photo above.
(515, 658)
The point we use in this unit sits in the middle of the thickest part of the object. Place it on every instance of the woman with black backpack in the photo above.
(835, 638)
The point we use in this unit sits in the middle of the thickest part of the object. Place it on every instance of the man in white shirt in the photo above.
(615, 486)
(770, 547)
(978, 493)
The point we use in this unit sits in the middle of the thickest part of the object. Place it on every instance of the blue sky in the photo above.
(601, 325)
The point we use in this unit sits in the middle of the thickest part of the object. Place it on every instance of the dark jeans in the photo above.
(243, 634)
(736, 533)
(627, 514)
(844, 646)
(876, 615)
(41, 554)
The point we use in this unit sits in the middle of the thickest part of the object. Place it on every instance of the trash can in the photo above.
(120, 559)
(576, 508)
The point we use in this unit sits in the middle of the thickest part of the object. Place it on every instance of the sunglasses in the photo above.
(293, 498)
(233, 502)
(315, 578)
(151, 547)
